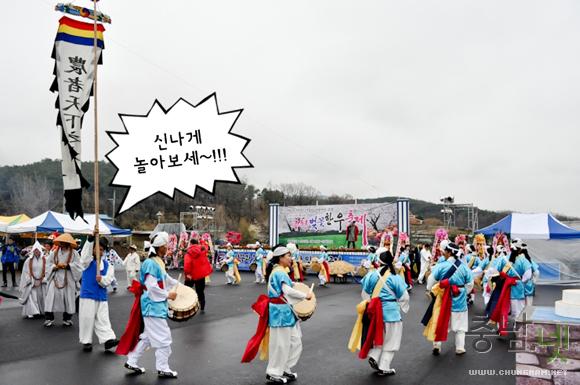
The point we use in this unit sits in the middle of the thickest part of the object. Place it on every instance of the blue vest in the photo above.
(90, 288)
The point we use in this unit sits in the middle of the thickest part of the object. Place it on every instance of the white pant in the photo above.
(259, 275)
(322, 278)
(424, 269)
(392, 342)
(131, 275)
(517, 306)
(94, 317)
(530, 301)
(459, 325)
(230, 277)
(156, 334)
(284, 349)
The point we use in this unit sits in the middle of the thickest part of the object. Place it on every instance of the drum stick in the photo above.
(174, 288)
(311, 288)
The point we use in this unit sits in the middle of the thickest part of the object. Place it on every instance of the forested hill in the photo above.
(37, 187)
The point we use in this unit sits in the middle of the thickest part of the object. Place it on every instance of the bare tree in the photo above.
(31, 195)
(299, 193)
(373, 219)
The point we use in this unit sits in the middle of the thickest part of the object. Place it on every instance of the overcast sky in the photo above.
(477, 99)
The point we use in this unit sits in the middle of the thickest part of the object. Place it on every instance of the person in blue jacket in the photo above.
(285, 344)
(520, 268)
(394, 299)
(458, 275)
(530, 285)
(10, 256)
(154, 308)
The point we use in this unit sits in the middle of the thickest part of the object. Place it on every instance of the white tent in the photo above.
(552, 244)
(50, 221)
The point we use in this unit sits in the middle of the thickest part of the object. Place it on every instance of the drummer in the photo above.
(285, 336)
(154, 309)
(230, 261)
(260, 263)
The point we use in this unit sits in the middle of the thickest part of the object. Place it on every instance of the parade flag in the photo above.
(74, 57)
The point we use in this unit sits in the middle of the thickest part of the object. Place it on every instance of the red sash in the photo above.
(442, 328)
(134, 326)
(374, 335)
(261, 308)
(502, 308)
(327, 268)
(135, 323)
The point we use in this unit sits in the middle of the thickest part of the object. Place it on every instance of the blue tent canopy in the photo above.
(51, 221)
(531, 226)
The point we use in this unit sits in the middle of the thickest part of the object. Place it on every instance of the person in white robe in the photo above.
(132, 265)
(425, 262)
(32, 285)
(63, 274)
(93, 304)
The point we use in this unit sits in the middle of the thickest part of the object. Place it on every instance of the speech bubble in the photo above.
(182, 148)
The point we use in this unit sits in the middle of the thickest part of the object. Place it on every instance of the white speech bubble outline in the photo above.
(157, 111)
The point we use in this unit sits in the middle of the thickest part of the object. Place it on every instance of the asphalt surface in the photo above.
(207, 349)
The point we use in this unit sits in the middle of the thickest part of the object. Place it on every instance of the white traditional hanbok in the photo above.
(32, 285)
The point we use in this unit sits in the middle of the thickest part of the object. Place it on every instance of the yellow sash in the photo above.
(472, 261)
(160, 263)
(429, 331)
(236, 271)
(356, 334)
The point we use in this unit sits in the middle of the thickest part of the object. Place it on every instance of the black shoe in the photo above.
(111, 343)
(67, 323)
(5, 284)
(202, 311)
(87, 348)
(290, 376)
(436, 351)
(373, 364)
(276, 380)
(171, 374)
(135, 369)
(383, 373)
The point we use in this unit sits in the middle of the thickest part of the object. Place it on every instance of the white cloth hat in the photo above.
(37, 246)
(146, 245)
(443, 245)
(269, 256)
(280, 251)
(292, 247)
(517, 243)
(160, 239)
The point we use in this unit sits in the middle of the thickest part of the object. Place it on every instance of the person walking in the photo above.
(10, 256)
(196, 267)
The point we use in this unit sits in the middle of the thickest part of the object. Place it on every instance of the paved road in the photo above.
(207, 349)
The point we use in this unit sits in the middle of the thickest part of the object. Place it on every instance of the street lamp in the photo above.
(159, 215)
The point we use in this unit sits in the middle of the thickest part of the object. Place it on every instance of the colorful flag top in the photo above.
(74, 74)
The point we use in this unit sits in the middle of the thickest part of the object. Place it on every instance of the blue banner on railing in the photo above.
(247, 256)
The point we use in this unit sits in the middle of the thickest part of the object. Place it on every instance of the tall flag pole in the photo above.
(76, 47)
(74, 52)
(96, 165)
